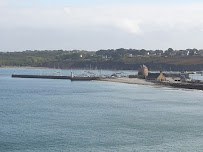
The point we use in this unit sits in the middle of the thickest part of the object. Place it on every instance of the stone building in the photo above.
(156, 76)
(143, 71)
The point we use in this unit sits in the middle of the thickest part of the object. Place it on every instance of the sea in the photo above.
(44, 115)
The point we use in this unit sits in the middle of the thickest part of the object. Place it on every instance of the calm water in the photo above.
(38, 115)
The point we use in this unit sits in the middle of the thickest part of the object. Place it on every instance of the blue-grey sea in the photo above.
(41, 115)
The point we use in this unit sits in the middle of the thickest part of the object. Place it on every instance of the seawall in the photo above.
(41, 76)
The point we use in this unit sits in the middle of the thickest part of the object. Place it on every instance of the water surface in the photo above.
(59, 115)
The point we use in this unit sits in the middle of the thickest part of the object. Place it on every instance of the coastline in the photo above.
(155, 84)
(129, 81)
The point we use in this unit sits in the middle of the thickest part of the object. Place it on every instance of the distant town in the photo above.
(167, 53)
(118, 59)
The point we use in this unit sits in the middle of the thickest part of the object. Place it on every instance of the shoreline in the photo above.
(155, 84)
(129, 81)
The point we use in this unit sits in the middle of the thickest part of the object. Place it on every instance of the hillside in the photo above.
(108, 59)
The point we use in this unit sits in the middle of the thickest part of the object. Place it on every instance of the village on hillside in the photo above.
(112, 59)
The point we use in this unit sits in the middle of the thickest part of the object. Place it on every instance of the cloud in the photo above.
(132, 19)
(160, 23)
(3, 3)
(130, 25)
(67, 18)
(93, 17)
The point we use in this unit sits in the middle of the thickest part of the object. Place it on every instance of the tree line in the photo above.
(125, 59)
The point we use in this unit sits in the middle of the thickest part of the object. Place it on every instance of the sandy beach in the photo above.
(144, 82)
(129, 81)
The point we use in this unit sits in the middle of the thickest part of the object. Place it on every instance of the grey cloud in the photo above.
(97, 27)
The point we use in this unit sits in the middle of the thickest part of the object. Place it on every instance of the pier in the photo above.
(72, 78)
(41, 76)
(77, 78)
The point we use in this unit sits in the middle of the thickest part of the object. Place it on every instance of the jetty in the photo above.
(84, 78)
(72, 78)
(41, 76)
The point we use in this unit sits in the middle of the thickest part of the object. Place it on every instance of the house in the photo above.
(161, 77)
(173, 77)
(156, 76)
(104, 56)
(130, 55)
(185, 53)
(153, 76)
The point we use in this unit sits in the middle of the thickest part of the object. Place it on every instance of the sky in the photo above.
(100, 24)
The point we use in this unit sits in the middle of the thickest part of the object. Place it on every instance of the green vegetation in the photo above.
(123, 59)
